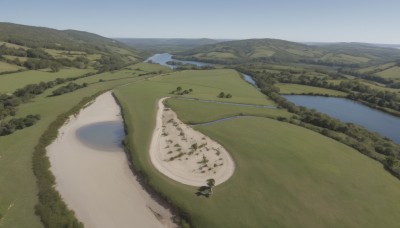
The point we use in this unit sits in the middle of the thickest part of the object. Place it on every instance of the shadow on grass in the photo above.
(203, 191)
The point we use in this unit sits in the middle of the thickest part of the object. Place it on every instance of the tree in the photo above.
(54, 67)
(178, 88)
(228, 95)
(391, 161)
(211, 184)
(221, 95)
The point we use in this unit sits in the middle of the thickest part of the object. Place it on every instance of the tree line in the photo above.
(368, 143)
(70, 87)
(355, 89)
(10, 102)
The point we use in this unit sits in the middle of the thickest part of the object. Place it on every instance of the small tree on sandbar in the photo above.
(211, 184)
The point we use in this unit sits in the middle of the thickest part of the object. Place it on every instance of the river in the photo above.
(354, 112)
(162, 59)
(343, 109)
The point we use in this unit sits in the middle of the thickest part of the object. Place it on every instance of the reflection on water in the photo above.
(250, 80)
(162, 59)
(105, 136)
(354, 112)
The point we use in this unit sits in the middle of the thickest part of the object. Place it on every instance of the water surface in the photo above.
(162, 59)
(106, 136)
(353, 112)
(249, 79)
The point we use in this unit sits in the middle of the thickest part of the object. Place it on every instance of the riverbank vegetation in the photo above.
(285, 160)
(370, 144)
(70, 87)
(311, 168)
(377, 98)
(16, 157)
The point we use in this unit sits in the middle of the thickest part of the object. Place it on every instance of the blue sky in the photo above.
(297, 20)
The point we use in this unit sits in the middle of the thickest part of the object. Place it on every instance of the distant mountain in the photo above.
(40, 48)
(159, 45)
(71, 40)
(273, 50)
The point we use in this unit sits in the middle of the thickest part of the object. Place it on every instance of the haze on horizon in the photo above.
(302, 21)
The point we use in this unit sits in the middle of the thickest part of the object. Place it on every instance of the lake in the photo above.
(162, 59)
(106, 136)
(354, 112)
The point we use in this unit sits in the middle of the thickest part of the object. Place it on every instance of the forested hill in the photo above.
(156, 45)
(34, 48)
(278, 51)
(41, 37)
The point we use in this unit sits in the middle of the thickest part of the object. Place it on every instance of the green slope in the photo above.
(286, 176)
(278, 51)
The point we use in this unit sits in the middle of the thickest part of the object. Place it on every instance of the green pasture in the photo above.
(11, 82)
(21, 59)
(304, 89)
(192, 111)
(10, 45)
(344, 58)
(18, 188)
(6, 67)
(286, 176)
(207, 84)
(393, 72)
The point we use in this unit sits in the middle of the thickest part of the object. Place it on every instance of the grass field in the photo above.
(193, 112)
(218, 55)
(10, 45)
(373, 85)
(304, 89)
(344, 58)
(6, 67)
(286, 176)
(259, 53)
(11, 82)
(393, 72)
(207, 84)
(10, 57)
(18, 188)
(377, 67)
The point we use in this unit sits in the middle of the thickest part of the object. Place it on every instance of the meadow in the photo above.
(304, 89)
(6, 67)
(195, 112)
(11, 82)
(393, 73)
(286, 175)
(19, 189)
(208, 84)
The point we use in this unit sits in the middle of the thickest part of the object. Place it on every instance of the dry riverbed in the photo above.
(99, 185)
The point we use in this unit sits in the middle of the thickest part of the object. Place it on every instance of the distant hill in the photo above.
(158, 45)
(273, 50)
(38, 47)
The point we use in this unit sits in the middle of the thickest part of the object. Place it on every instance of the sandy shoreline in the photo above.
(185, 155)
(99, 185)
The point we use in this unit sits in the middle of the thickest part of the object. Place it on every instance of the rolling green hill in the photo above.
(280, 51)
(155, 45)
(29, 47)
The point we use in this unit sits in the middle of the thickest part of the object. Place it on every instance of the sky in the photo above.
(372, 21)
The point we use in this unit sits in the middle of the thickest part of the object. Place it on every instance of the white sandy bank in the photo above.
(98, 185)
(186, 155)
